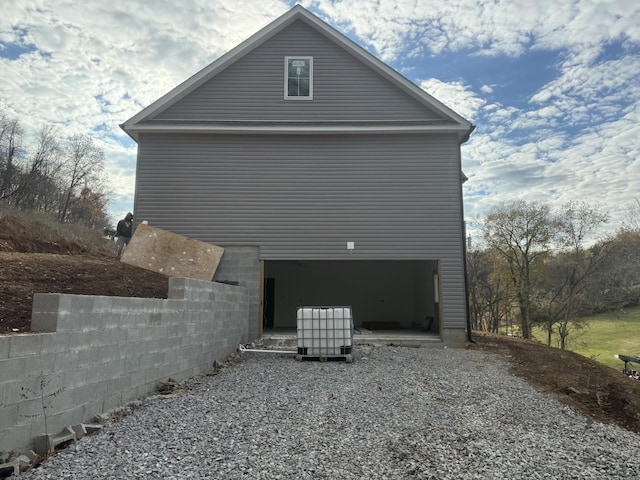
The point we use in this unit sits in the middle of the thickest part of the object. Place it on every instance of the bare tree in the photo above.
(489, 294)
(10, 149)
(521, 233)
(632, 216)
(83, 164)
(40, 181)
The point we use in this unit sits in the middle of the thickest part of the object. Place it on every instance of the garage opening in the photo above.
(385, 295)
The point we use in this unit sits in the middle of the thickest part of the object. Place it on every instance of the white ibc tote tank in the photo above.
(324, 331)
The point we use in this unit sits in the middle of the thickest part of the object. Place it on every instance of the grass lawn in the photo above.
(605, 335)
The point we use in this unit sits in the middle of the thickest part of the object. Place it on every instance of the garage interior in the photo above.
(385, 295)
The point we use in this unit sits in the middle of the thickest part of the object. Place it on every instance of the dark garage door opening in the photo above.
(384, 294)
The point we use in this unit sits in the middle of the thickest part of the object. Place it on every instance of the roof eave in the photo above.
(135, 130)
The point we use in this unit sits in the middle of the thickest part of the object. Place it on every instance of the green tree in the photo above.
(575, 224)
(521, 233)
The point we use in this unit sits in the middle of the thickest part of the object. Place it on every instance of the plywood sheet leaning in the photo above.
(172, 254)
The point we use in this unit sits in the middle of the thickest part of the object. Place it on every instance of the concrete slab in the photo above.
(408, 338)
(171, 254)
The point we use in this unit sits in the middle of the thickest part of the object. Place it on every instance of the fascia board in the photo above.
(295, 130)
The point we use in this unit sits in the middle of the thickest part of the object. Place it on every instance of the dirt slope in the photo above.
(34, 258)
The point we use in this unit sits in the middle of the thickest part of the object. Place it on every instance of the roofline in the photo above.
(294, 129)
(296, 13)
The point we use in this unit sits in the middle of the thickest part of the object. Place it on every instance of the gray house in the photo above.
(329, 178)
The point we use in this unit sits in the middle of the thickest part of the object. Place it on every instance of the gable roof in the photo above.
(454, 121)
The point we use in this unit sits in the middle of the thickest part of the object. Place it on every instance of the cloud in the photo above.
(457, 96)
(507, 27)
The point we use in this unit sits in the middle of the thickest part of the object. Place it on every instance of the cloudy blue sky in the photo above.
(553, 86)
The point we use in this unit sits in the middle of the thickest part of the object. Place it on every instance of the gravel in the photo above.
(394, 413)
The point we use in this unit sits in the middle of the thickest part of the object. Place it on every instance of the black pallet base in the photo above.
(326, 358)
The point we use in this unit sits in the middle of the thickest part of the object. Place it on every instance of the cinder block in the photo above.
(70, 322)
(145, 390)
(36, 364)
(82, 303)
(17, 438)
(29, 412)
(152, 305)
(5, 344)
(84, 412)
(15, 466)
(24, 345)
(121, 305)
(102, 304)
(79, 430)
(135, 335)
(92, 428)
(111, 320)
(153, 375)
(8, 418)
(112, 401)
(84, 394)
(44, 444)
(8, 470)
(46, 302)
(53, 343)
(44, 322)
(74, 377)
(88, 357)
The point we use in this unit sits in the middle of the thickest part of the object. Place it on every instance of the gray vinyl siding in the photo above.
(303, 197)
(300, 197)
(344, 89)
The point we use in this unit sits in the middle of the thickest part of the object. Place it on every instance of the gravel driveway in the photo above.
(395, 413)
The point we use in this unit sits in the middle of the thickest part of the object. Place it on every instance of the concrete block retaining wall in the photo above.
(98, 353)
(242, 264)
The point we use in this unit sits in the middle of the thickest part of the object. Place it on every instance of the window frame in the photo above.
(286, 77)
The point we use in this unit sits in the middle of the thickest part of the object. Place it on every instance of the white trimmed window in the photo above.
(298, 78)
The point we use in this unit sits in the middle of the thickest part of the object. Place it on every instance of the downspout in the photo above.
(464, 239)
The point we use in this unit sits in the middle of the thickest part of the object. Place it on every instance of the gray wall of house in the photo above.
(383, 294)
(103, 352)
(344, 89)
(397, 197)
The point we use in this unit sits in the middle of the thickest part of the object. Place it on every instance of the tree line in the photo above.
(53, 174)
(547, 268)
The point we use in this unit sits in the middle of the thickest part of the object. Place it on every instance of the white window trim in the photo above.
(286, 77)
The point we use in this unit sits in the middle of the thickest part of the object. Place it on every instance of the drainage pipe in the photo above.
(243, 349)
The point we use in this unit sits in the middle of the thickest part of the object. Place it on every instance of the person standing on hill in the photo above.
(123, 232)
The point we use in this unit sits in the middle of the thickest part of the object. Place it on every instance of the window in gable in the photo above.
(298, 81)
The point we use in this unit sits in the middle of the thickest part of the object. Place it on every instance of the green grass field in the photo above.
(605, 335)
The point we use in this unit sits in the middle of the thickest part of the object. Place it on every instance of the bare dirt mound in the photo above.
(600, 392)
(35, 258)
(18, 235)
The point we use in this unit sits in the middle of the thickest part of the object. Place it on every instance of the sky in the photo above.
(552, 86)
